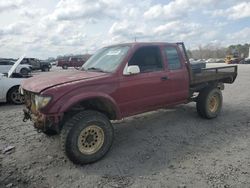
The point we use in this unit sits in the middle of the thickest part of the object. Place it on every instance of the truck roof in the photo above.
(142, 44)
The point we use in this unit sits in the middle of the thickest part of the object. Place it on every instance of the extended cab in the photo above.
(117, 82)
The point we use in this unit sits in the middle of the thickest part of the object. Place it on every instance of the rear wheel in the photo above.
(45, 69)
(65, 66)
(209, 103)
(14, 96)
(24, 71)
(87, 137)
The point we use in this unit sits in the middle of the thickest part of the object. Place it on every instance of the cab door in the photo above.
(34, 63)
(178, 78)
(73, 62)
(148, 89)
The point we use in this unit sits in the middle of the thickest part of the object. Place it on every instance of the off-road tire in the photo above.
(78, 123)
(204, 99)
(65, 66)
(13, 92)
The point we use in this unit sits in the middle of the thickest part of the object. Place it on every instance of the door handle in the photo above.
(164, 78)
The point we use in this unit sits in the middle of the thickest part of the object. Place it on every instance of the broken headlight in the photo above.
(41, 101)
(21, 90)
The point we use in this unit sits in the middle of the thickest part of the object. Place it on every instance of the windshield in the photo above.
(106, 59)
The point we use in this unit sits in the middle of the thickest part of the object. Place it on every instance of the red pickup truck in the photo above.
(71, 62)
(117, 82)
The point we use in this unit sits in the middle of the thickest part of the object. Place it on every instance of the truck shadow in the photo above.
(168, 141)
(3, 104)
(163, 139)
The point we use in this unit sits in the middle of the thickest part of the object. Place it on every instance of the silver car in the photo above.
(6, 64)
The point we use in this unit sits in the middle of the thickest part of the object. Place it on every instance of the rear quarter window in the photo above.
(173, 59)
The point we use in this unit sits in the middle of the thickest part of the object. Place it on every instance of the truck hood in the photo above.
(39, 83)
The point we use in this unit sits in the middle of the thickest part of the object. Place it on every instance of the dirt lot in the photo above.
(166, 148)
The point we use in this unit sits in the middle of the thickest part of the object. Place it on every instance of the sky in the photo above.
(48, 28)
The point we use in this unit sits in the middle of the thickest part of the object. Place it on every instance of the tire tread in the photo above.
(84, 116)
(202, 99)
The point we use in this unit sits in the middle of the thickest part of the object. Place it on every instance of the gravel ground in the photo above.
(165, 148)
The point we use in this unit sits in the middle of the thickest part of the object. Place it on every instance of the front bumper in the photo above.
(40, 121)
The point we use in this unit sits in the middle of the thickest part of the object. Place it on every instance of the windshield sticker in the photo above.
(114, 52)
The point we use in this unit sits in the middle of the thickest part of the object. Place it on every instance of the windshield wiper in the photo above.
(96, 69)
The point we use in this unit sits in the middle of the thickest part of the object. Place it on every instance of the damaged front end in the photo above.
(27, 115)
(42, 122)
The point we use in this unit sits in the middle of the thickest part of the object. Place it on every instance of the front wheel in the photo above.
(209, 103)
(24, 71)
(87, 137)
(65, 66)
(14, 96)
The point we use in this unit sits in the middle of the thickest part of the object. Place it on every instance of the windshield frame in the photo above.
(120, 62)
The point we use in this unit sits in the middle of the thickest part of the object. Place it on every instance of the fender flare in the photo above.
(85, 96)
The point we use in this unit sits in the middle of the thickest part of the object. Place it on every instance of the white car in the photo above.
(9, 86)
(5, 66)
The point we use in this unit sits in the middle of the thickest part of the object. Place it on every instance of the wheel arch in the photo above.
(25, 68)
(65, 65)
(103, 104)
(8, 91)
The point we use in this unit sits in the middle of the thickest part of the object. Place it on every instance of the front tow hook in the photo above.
(27, 115)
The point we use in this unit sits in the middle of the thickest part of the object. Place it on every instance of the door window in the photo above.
(148, 59)
(172, 58)
(24, 61)
(10, 63)
(3, 63)
(33, 63)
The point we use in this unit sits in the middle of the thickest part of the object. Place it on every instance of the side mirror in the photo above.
(132, 69)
